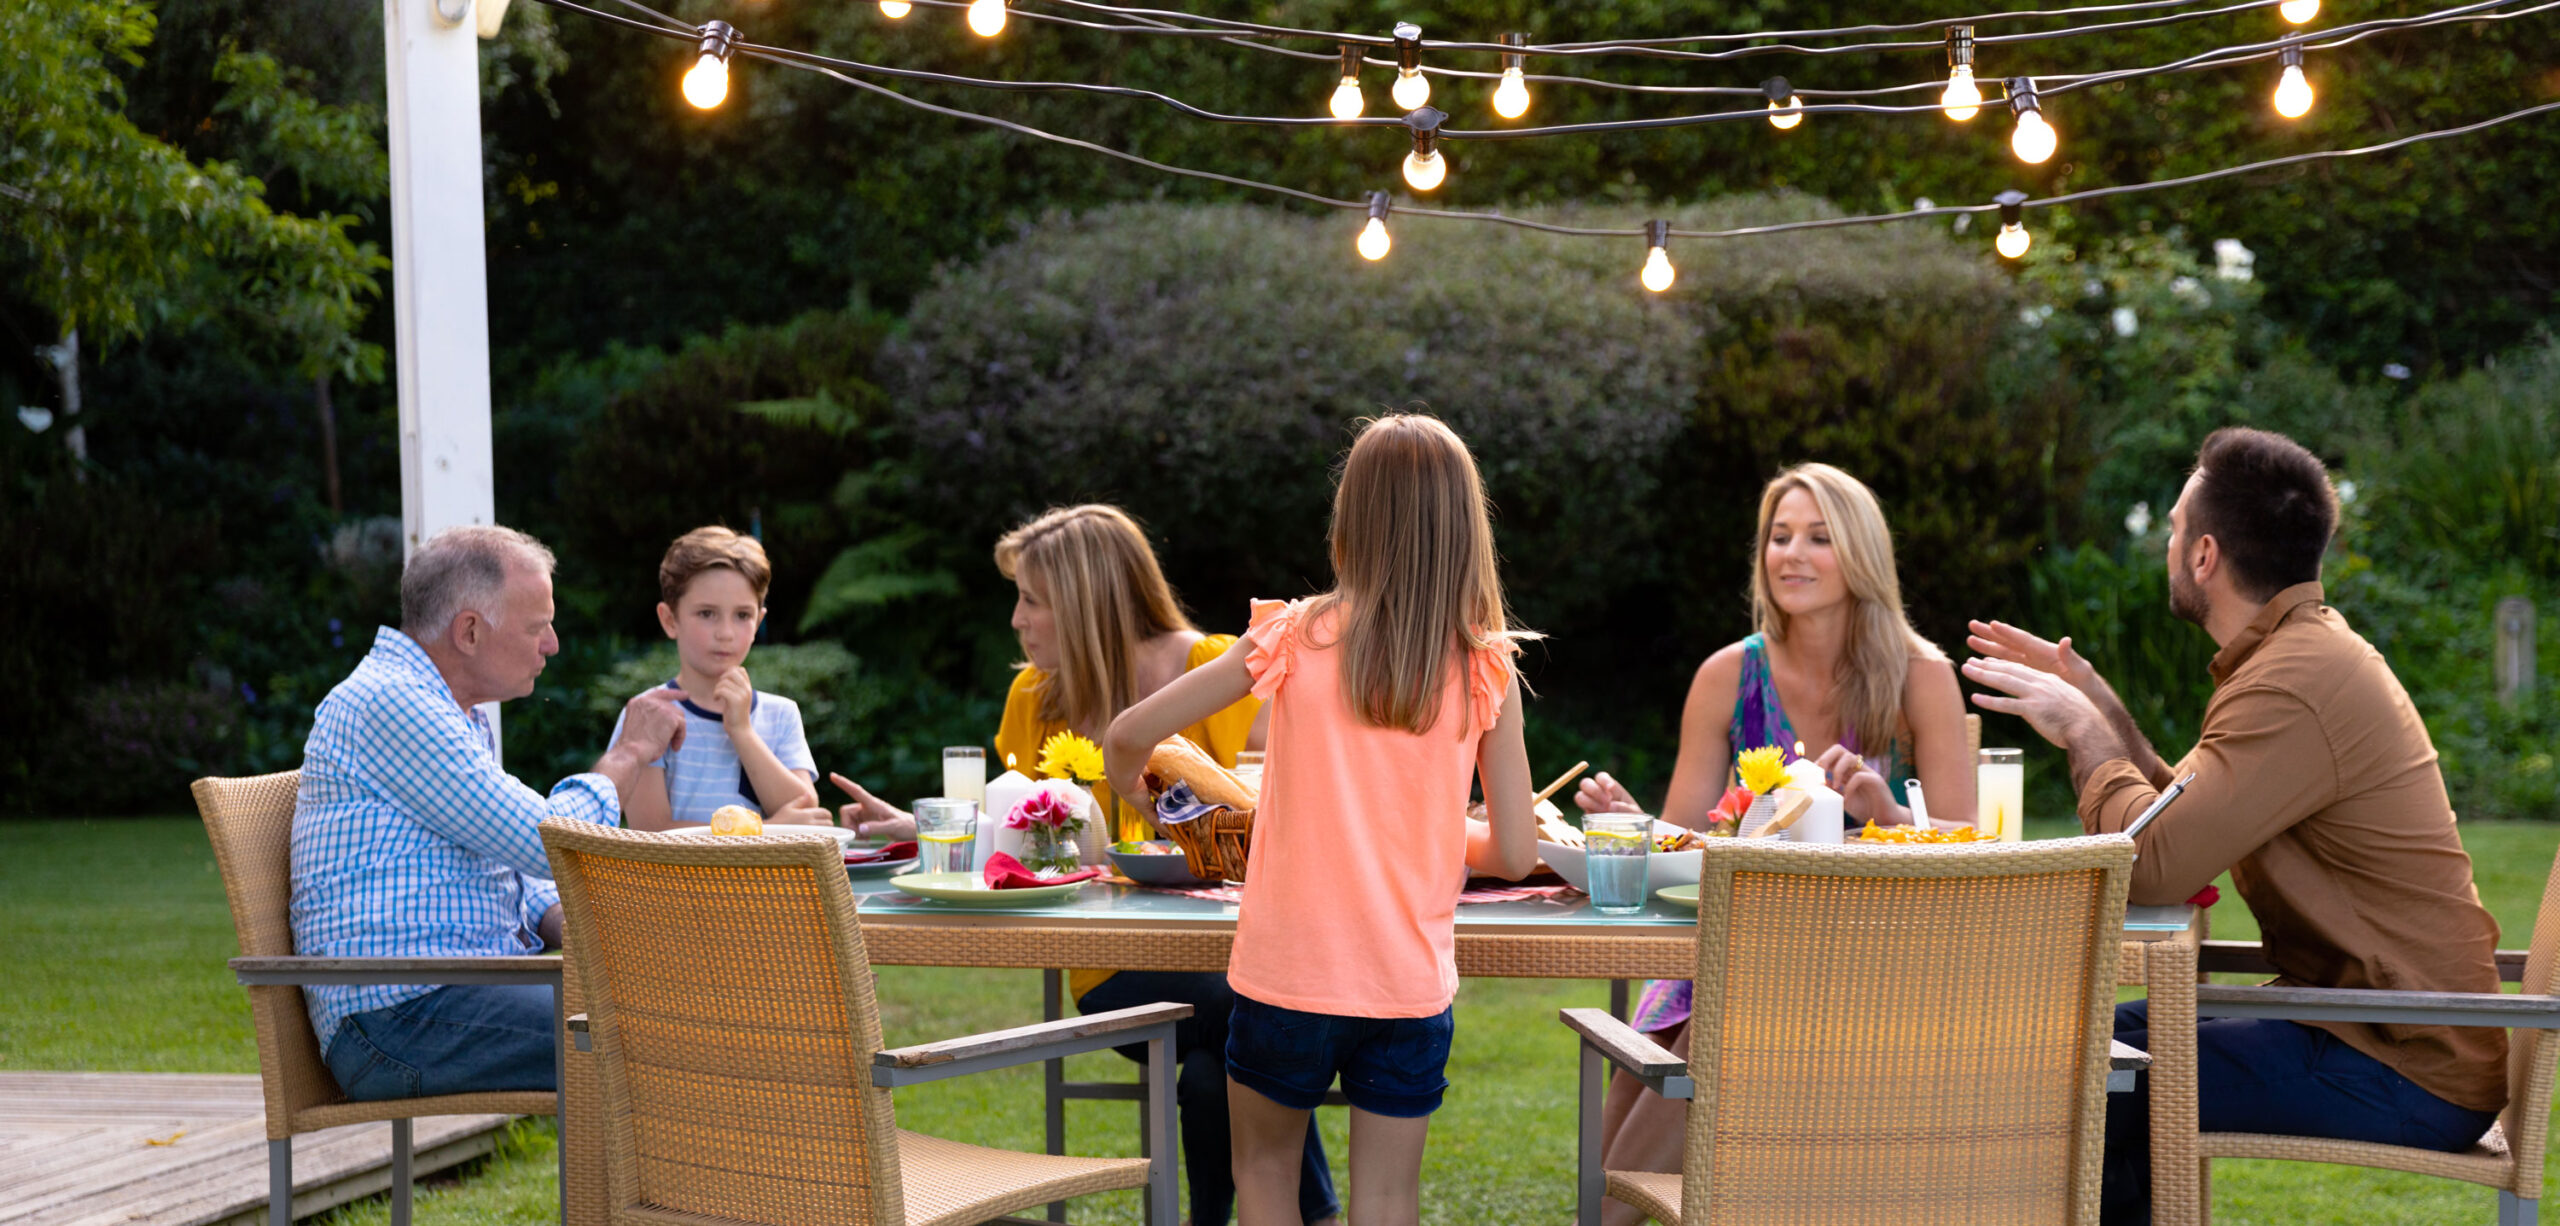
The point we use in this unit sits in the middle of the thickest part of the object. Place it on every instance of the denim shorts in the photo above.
(1390, 1066)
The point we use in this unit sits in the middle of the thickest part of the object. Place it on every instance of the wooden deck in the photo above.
(185, 1149)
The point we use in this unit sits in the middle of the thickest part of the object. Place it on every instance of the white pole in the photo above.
(439, 269)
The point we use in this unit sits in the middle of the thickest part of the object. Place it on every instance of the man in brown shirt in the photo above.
(2315, 784)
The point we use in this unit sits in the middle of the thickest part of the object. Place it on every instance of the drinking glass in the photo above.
(1616, 848)
(1249, 768)
(2000, 781)
(947, 832)
(964, 773)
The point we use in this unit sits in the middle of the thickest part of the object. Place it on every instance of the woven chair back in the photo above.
(1897, 1034)
(2530, 1053)
(250, 822)
(733, 1022)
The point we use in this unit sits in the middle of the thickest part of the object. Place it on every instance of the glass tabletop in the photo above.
(1105, 902)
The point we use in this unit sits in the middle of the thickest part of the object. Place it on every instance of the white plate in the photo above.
(970, 889)
(1661, 868)
(837, 834)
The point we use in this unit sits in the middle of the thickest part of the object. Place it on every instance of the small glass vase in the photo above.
(1049, 849)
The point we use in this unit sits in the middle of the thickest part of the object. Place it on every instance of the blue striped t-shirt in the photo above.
(705, 773)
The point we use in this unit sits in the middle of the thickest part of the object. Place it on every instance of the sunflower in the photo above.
(1763, 770)
(1068, 756)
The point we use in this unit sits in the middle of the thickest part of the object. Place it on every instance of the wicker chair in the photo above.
(2510, 1158)
(250, 822)
(1884, 1034)
(736, 1049)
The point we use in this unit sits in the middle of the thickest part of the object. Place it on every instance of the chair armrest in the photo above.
(578, 1037)
(2249, 958)
(525, 968)
(2496, 1009)
(995, 1049)
(1621, 1045)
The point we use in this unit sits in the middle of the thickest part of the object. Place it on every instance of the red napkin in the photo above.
(882, 855)
(1003, 872)
(2206, 897)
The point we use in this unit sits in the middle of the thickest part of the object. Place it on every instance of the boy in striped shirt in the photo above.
(741, 746)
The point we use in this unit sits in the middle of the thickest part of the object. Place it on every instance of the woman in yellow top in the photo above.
(1100, 630)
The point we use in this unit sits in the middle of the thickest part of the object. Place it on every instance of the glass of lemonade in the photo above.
(2000, 781)
(1616, 848)
(1249, 767)
(946, 834)
(964, 773)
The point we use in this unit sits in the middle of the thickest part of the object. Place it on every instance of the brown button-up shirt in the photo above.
(2317, 786)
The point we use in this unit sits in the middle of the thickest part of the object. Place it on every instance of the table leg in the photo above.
(1618, 998)
(1053, 1078)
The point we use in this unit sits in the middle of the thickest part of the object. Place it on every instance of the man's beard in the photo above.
(2187, 599)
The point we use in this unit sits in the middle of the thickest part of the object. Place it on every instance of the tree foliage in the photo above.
(112, 230)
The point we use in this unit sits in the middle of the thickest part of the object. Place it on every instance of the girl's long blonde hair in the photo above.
(1415, 579)
(1882, 644)
(1093, 567)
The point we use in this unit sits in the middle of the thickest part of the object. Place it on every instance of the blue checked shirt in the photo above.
(408, 839)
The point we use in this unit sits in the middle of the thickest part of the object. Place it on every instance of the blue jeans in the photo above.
(2278, 1077)
(1200, 1044)
(460, 1039)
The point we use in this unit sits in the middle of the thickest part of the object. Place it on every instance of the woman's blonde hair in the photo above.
(1882, 644)
(1415, 580)
(1094, 568)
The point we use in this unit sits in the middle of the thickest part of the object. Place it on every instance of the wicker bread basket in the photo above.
(1215, 845)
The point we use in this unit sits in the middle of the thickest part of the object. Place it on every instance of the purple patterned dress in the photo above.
(1758, 720)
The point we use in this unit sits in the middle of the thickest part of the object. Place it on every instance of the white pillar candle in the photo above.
(1003, 793)
(1824, 823)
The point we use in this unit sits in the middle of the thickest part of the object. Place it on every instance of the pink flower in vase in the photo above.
(1046, 808)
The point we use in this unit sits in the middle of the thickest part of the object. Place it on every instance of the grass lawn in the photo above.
(118, 932)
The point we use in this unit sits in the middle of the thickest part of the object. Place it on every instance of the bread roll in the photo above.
(1179, 761)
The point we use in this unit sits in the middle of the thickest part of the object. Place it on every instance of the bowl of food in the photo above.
(1673, 860)
(1154, 862)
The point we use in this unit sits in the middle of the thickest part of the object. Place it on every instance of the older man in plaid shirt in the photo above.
(409, 840)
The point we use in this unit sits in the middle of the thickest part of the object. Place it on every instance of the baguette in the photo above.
(1179, 761)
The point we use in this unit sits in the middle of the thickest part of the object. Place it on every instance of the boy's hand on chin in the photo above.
(736, 696)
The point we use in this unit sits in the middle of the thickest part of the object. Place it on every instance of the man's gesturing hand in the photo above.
(2060, 712)
(652, 725)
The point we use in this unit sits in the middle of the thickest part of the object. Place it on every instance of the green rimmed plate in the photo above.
(1679, 895)
(971, 890)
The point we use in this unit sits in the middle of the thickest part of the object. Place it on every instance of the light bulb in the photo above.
(2293, 93)
(1511, 98)
(1374, 241)
(1347, 102)
(986, 17)
(1424, 171)
(1412, 89)
(707, 84)
(1963, 99)
(1657, 270)
(2013, 240)
(2299, 11)
(895, 9)
(1784, 122)
(2035, 139)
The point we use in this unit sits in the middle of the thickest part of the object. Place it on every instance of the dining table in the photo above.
(1502, 931)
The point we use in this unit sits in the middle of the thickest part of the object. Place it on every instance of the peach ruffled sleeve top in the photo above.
(1359, 844)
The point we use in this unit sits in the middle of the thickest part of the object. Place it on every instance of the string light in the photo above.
(986, 17)
(1424, 168)
(1511, 98)
(2013, 239)
(1782, 96)
(1658, 273)
(1412, 89)
(1373, 237)
(1347, 102)
(1963, 99)
(707, 84)
(895, 9)
(2034, 141)
(2293, 90)
(2299, 11)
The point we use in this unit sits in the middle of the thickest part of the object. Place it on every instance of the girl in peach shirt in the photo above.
(1387, 696)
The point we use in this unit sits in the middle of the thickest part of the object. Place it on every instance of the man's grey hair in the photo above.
(462, 568)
